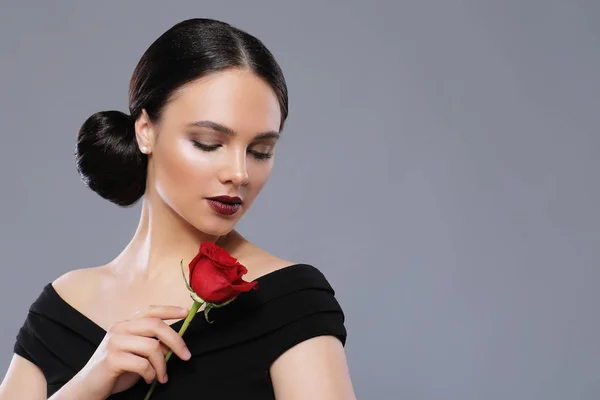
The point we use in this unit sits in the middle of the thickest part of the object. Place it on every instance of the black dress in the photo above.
(230, 358)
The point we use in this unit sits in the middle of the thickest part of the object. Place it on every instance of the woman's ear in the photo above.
(144, 133)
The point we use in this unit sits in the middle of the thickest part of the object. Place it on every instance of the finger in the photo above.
(147, 348)
(156, 328)
(128, 362)
(162, 312)
(164, 348)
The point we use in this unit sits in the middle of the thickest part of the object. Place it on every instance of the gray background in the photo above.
(457, 143)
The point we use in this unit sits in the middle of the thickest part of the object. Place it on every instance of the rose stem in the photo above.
(182, 330)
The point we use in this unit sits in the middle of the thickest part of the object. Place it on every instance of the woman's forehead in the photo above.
(236, 98)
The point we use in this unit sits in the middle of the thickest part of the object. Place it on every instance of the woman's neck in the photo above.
(161, 240)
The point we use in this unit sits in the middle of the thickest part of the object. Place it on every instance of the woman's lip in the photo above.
(223, 208)
(226, 199)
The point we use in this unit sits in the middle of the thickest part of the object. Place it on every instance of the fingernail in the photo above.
(166, 378)
(186, 353)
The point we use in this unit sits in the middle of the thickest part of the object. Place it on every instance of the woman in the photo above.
(207, 104)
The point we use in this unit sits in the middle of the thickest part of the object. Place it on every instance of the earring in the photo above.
(144, 150)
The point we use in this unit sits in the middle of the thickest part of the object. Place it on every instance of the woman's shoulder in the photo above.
(288, 292)
(78, 287)
(264, 266)
(52, 324)
(293, 302)
(261, 263)
(275, 274)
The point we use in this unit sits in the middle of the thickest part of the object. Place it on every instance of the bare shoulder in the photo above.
(79, 287)
(315, 368)
(262, 263)
(258, 261)
(24, 379)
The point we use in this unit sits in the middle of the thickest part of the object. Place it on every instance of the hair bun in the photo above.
(108, 159)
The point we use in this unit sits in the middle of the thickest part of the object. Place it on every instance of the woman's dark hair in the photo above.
(107, 156)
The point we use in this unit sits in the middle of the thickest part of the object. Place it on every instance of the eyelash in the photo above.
(208, 148)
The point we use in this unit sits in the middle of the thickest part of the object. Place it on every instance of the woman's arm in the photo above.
(23, 381)
(313, 369)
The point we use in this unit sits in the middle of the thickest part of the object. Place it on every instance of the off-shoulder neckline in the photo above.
(269, 279)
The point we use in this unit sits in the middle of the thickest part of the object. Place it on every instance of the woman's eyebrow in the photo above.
(230, 132)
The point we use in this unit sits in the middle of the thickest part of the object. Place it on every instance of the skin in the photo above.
(237, 115)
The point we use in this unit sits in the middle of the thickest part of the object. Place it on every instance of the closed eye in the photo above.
(206, 147)
(256, 154)
(260, 156)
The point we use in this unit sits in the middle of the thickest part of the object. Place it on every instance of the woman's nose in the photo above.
(235, 170)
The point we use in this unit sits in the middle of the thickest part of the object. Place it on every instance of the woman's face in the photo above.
(216, 137)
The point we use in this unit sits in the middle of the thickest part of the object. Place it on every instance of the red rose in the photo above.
(215, 280)
(216, 276)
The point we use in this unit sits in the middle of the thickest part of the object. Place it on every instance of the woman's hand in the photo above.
(130, 349)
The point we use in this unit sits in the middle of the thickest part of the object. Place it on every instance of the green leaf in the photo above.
(208, 307)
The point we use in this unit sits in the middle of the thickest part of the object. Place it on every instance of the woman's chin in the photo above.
(214, 228)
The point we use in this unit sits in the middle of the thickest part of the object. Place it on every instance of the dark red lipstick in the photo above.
(225, 205)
